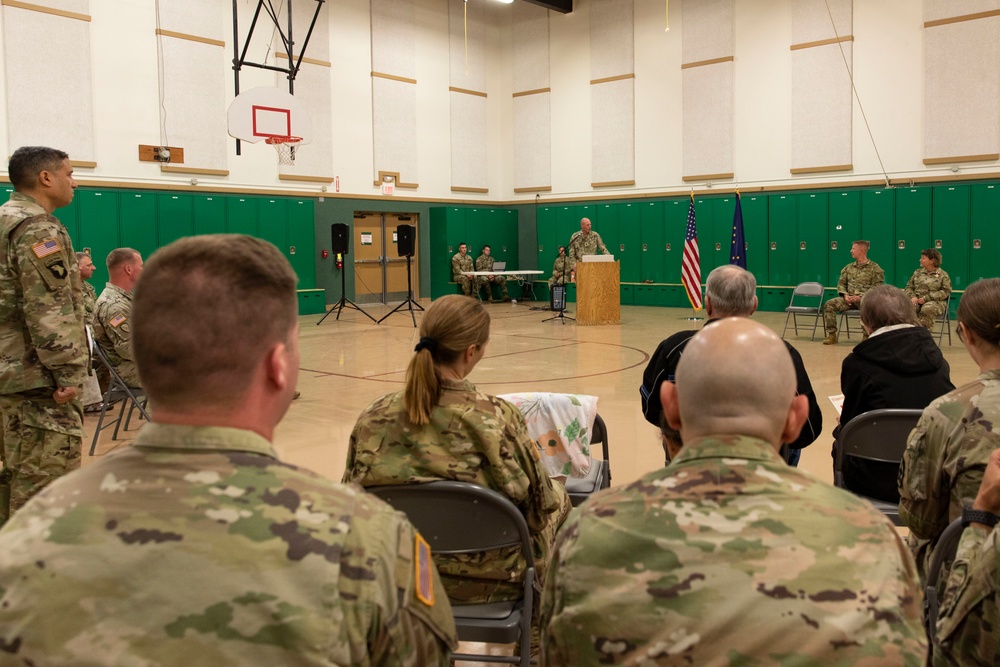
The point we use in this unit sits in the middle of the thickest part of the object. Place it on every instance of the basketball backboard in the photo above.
(266, 112)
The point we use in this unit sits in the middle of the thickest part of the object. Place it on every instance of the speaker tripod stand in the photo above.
(409, 302)
(344, 302)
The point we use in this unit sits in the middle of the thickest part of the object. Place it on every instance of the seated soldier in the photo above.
(728, 556)
(485, 263)
(929, 288)
(113, 312)
(461, 263)
(197, 545)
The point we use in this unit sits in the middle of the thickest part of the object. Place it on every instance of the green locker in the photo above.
(653, 237)
(504, 244)
(644, 295)
(628, 296)
(844, 229)
(878, 226)
(913, 232)
(70, 217)
(782, 228)
(241, 216)
(477, 230)
(984, 251)
(175, 217)
(209, 213)
(99, 215)
(447, 232)
(547, 230)
(723, 210)
(629, 248)
(951, 222)
(755, 234)
(606, 223)
(138, 221)
(302, 241)
(273, 216)
(676, 226)
(812, 260)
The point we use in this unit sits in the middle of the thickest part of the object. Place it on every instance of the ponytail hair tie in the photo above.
(426, 344)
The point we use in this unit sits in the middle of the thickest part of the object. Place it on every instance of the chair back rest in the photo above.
(459, 517)
(944, 552)
(808, 289)
(877, 435)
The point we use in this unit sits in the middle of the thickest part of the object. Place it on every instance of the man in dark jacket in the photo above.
(898, 366)
(730, 291)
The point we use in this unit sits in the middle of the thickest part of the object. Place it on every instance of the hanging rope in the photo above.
(465, 28)
(666, 15)
(850, 75)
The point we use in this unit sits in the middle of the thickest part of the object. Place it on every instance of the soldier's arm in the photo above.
(118, 328)
(911, 287)
(397, 613)
(879, 277)
(45, 263)
(923, 500)
(842, 283)
(969, 614)
(600, 246)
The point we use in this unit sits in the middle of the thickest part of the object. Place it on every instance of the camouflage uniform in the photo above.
(581, 244)
(944, 461)
(935, 288)
(42, 347)
(969, 614)
(855, 280)
(485, 263)
(198, 546)
(730, 557)
(89, 302)
(460, 263)
(473, 438)
(561, 270)
(111, 331)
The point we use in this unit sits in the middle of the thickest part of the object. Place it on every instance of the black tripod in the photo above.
(562, 317)
(344, 302)
(409, 303)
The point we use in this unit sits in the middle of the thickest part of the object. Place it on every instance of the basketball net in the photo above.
(285, 148)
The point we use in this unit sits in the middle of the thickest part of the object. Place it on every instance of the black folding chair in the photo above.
(131, 397)
(459, 518)
(944, 552)
(877, 435)
(599, 476)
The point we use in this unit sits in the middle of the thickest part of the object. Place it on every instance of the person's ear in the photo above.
(277, 366)
(754, 305)
(670, 405)
(798, 413)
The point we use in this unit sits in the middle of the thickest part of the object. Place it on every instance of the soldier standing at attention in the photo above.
(728, 556)
(929, 288)
(197, 545)
(585, 242)
(89, 293)
(485, 263)
(855, 279)
(460, 263)
(43, 348)
(112, 317)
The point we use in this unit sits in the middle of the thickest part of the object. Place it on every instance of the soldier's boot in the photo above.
(831, 339)
(506, 296)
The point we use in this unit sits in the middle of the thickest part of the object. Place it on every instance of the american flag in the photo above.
(691, 265)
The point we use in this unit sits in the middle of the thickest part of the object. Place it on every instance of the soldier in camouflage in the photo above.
(855, 279)
(727, 556)
(43, 349)
(969, 612)
(946, 453)
(89, 293)
(485, 263)
(197, 545)
(561, 268)
(461, 263)
(459, 433)
(929, 288)
(112, 323)
(585, 242)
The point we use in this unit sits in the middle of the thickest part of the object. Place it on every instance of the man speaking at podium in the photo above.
(585, 242)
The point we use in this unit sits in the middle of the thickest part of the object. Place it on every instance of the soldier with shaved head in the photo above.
(728, 556)
(196, 545)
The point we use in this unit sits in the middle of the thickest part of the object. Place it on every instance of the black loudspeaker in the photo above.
(404, 240)
(557, 297)
(340, 239)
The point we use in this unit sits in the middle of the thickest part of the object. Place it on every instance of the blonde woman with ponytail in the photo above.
(441, 427)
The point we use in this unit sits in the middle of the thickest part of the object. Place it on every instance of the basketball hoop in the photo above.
(285, 147)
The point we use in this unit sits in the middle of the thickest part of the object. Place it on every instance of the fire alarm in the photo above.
(324, 254)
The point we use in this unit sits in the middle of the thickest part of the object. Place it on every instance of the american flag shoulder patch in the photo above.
(46, 248)
(116, 320)
(425, 570)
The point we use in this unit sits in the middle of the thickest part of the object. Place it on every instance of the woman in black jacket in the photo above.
(897, 366)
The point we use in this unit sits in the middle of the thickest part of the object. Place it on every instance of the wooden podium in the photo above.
(598, 293)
